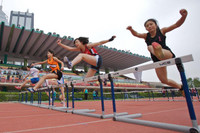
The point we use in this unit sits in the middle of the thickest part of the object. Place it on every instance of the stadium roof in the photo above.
(19, 43)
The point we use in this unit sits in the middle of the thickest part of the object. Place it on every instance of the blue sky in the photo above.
(99, 20)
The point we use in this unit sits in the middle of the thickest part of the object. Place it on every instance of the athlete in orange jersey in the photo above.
(55, 72)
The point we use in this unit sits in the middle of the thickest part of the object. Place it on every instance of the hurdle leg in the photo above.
(22, 100)
(113, 94)
(38, 98)
(67, 95)
(49, 97)
(102, 97)
(52, 97)
(172, 95)
(167, 95)
(26, 97)
(72, 96)
(187, 93)
(31, 100)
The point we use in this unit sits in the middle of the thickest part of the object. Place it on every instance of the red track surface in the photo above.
(20, 118)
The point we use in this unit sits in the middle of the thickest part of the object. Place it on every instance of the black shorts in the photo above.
(99, 62)
(59, 73)
(155, 59)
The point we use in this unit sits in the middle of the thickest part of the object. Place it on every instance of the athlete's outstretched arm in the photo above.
(67, 47)
(90, 45)
(38, 63)
(135, 33)
(183, 13)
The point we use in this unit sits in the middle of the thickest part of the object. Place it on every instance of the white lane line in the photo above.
(20, 110)
(68, 125)
(8, 117)
(164, 111)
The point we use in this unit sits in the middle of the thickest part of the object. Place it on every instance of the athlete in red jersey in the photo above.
(88, 53)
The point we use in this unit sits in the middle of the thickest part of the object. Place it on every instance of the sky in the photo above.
(100, 19)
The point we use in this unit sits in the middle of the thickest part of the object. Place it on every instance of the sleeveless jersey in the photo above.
(91, 51)
(159, 38)
(53, 64)
(34, 72)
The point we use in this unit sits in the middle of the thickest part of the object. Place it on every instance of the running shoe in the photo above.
(17, 87)
(158, 50)
(69, 64)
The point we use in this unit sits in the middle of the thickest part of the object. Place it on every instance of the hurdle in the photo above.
(128, 118)
(38, 104)
(88, 112)
(175, 61)
(50, 103)
(62, 109)
(132, 117)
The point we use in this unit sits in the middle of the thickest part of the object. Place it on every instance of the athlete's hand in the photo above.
(112, 38)
(129, 28)
(183, 12)
(62, 68)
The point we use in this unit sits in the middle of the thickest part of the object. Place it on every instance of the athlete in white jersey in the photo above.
(34, 73)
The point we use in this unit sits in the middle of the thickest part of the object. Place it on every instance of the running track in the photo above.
(20, 118)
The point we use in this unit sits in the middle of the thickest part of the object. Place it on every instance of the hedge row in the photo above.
(14, 96)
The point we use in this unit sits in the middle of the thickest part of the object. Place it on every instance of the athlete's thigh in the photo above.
(167, 54)
(90, 59)
(50, 76)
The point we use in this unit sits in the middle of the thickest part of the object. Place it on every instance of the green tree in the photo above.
(195, 82)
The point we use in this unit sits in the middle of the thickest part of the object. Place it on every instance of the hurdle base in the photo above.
(87, 113)
(167, 126)
(24, 103)
(61, 109)
(77, 110)
(45, 106)
(114, 115)
(102, 116)
(35, 104)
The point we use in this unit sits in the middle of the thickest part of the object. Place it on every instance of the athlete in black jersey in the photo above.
(155, 39)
